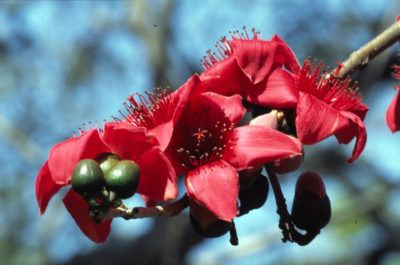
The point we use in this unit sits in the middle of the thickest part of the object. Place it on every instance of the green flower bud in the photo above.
(123, 178)
(87, 177)
(107, 161)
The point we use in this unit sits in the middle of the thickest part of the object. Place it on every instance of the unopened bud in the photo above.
(87, 177)
(311, 208)
(123, 178)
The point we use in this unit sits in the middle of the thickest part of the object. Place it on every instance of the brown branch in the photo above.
(127, 213)
(363, 55)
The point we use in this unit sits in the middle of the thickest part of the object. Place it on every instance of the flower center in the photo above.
(200, 139)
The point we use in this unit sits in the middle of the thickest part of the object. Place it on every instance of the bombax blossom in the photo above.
(267, 74)
(328, 106)
(393, 112)
(209, 149)
(127, 142)
(254, 68)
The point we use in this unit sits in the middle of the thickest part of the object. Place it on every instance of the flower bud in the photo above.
(311, 208)
(268, 120)
(107, 161)
(255, 196)
(87, 177)
(123, 178)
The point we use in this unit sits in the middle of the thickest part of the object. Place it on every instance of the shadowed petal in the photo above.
(65, 155)
(253, 146)
(78, 208)
(45, 188)
(215, 186)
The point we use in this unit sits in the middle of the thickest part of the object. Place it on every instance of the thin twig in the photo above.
(127, 213)
(285, 222)
(363, 55)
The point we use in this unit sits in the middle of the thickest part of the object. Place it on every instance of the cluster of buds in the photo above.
(105, 181)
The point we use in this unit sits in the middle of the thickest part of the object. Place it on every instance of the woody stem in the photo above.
(367, 52)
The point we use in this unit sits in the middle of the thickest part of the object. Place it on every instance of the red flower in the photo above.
(118, 138)
(329, 107)
(253, 68)
(393, 112)
(209, 149)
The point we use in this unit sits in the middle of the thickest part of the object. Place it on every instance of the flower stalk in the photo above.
(127, 213)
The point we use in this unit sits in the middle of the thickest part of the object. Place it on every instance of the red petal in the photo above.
(65, 155)
(253, 146)
(316, 120)
(361, 135)
(215, 186)
(176, 104)
(289, 59)
(278, 91)
(231, 105)
(393, 113)
(157, 176)
(257, 58)
(78, 208)
(127, 141)
(45, 187)
(223, 78)
(163, 133)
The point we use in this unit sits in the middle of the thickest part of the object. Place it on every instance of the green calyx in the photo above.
(87, 178)
(123, 178)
